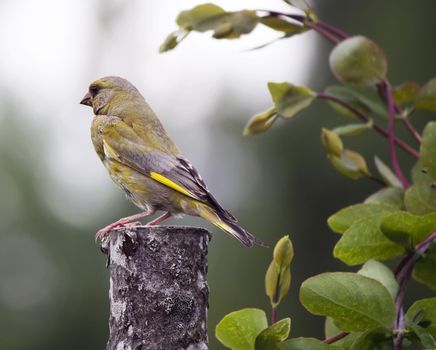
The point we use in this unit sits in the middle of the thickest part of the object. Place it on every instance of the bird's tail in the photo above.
(229, 226)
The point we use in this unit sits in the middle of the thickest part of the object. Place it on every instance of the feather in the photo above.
(122, 144)
(229, 226)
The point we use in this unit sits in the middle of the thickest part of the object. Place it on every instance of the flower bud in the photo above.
(331, 142)
(283, 252)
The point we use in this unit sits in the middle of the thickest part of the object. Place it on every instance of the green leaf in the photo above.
(420, 173)
(428, 149)
(355, 302)
(353, 129)
(424, 271)
(290, 99)
(406, 92)
(407, 229)
(393, 196)
(365, 99)
(350, 164)
(424, 336)
(306, 344)
(278, 332)
(236, 24)
(330, 330)
(173, 40)
(426, 99)
(423, 312)
(386, 173)
(344, 93)
(238, 330)
(380, 272)
(373, 339)
(364, 241)
(332, 142)
(226, 25)
(344, 218)
(420, 199)
(369, 96)
(260, 122)
(281, 25)
(201, 18)
(358, 60)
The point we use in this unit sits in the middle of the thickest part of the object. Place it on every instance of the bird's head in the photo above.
(104, 94)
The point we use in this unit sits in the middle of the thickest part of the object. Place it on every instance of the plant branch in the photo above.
(403, 273)
(365, 118)
(333, 30)
(273, 315)
(376, 179)
(335, 338)
(329, 32)
(391, 135)
(412, 130)
(327, 35)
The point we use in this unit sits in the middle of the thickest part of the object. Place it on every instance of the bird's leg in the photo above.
(123, 222)
(159, 219)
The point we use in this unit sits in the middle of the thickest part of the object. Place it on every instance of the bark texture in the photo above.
(158, 290)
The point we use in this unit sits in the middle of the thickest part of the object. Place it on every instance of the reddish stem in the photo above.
(327, 35)
(333, 30)
(391, 135)
(364, 118)
(273, 315)
(403, 273)
(332, 34)
(412, 129)
(335, 338)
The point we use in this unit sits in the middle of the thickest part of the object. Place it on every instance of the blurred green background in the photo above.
(54, 194)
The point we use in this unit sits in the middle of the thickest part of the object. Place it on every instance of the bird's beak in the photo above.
(86, 100)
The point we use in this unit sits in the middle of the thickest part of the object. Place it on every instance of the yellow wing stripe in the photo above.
(167, 182)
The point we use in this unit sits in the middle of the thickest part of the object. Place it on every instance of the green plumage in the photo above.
(143, 160)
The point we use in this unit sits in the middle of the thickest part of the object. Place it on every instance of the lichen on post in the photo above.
(158, 290)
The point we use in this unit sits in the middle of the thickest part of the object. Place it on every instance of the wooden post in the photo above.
(158, 289)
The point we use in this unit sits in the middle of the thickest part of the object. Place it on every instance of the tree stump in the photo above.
(158, 289)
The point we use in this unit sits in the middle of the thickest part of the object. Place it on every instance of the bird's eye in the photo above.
(94, 90)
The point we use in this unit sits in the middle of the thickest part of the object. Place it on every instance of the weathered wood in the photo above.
(158, 290)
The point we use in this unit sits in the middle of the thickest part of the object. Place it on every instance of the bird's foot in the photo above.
(124, 222)
(129, 224)
(115, 226)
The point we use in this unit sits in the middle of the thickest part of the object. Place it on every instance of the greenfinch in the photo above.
(146, 164)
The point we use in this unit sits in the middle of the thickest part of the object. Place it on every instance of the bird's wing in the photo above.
(121, 143)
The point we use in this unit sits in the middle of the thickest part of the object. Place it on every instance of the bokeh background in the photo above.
(55, 194)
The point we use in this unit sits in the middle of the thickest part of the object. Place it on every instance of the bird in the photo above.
(146, 164)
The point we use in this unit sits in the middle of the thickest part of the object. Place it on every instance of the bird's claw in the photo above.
(102, 233)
